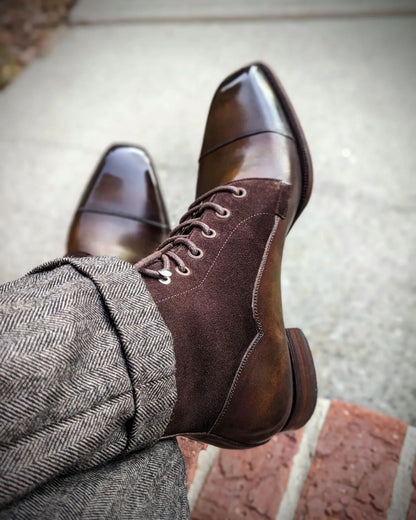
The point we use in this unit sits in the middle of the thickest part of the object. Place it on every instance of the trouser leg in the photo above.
(86, 372)
(147, 484)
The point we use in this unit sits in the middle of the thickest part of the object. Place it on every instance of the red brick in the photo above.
(190, 450)
(411, 513)
(250, 483)
(355, 465)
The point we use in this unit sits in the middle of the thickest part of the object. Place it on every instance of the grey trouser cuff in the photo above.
(86, 370)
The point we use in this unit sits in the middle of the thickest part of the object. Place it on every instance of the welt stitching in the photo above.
(259, 334)
(261, 271)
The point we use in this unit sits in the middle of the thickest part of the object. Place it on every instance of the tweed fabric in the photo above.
(86, 371)
(145, 485)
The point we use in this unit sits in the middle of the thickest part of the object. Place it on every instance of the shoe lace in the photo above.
(166, 252)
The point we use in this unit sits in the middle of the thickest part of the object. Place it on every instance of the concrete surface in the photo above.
(348, 276)
(108, 11)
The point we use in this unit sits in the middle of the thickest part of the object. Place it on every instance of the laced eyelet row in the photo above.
(166, 252)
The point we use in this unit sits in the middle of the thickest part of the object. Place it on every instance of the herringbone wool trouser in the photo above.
(87, 387)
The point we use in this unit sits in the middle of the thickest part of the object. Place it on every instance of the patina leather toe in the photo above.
(252, 131)
(121, 212)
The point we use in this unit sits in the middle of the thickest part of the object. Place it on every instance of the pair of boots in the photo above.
(215, 278)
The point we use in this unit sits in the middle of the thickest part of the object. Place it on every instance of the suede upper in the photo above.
(210, 311)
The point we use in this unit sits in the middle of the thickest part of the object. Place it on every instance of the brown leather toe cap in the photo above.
(121, 212)
(244, 104)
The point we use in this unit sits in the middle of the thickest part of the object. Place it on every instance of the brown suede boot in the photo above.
(122, 212)
(241, 377)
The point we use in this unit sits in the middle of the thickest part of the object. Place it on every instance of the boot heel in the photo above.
(304, 380)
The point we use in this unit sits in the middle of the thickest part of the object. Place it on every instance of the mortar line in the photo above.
(403, 487)
(206, 459)
(302, 461)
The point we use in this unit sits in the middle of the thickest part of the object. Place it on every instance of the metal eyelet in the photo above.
(185, 272)
(226, 213)
(167, 275)
(242, 192)
(200, 254)
(212, 233)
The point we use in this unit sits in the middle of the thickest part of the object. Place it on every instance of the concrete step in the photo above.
(108, 11)
(347, 463)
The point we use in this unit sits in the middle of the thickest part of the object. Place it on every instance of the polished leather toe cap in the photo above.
(244, 104)
(125, 184)
(121, 212)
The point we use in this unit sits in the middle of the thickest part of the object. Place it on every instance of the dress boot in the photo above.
(241, 377)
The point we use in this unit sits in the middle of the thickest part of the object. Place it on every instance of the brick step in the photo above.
(347, 463)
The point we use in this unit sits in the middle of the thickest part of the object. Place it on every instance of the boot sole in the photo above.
(300, 140)
(304, 380)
